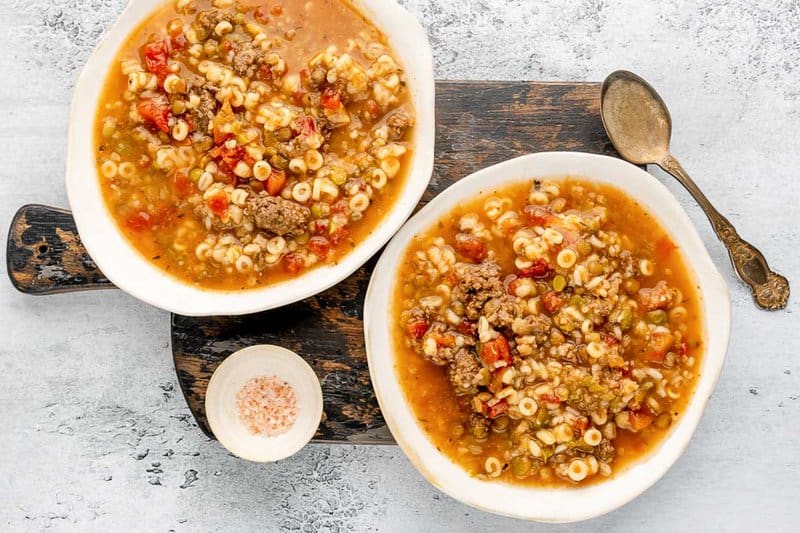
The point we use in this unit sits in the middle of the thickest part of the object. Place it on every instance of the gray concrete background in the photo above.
(95, 435)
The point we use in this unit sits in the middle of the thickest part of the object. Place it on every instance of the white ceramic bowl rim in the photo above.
(130, 271)
(533, 503)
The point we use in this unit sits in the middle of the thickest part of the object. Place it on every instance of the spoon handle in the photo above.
(770, 289)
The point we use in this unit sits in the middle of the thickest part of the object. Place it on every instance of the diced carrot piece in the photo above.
(657, 346)
(275, 182)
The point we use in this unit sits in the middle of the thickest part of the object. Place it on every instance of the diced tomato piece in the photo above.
(156, 111)
(319, 246)
(156, 58)
(275, 182)
(640, 420)
(466, 328)
(496, 350)
(139, 221)
(537, 215)
(320, 226)
(540, 269)
(228, 158)
(338, 235)
(471, 247)
(293, 263)
(581, 423)
(550, 398)
(218, 204)
(683, 349)
(331, 99)
(448, 341)
(551, 302)
(182, 186)
(417, 328)
(498, 409)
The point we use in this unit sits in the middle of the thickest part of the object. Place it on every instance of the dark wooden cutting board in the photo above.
(477, 124)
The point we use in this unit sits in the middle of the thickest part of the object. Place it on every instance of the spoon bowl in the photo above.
(635, 117)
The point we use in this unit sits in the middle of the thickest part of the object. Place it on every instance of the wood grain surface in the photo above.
(44, 254)
(478, 124)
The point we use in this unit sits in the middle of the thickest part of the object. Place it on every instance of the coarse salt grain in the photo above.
(267, 405)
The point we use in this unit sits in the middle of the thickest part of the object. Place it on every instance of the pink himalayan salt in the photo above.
(267, 405)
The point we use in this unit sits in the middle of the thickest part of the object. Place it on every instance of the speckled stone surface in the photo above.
(95, 435)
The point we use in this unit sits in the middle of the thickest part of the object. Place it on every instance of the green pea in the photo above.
(278, 161)
(320, 210)
(631, 286)
(626, 319)
(541, 287)
(595, 268)
(559, 283)
(284, 134)
(500, 425)
(195, 174)
(657, 317)
(583, 248)
(520, 466)
(479, 431)
(542, 418)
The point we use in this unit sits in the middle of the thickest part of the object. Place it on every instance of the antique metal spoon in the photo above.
(639, 126)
